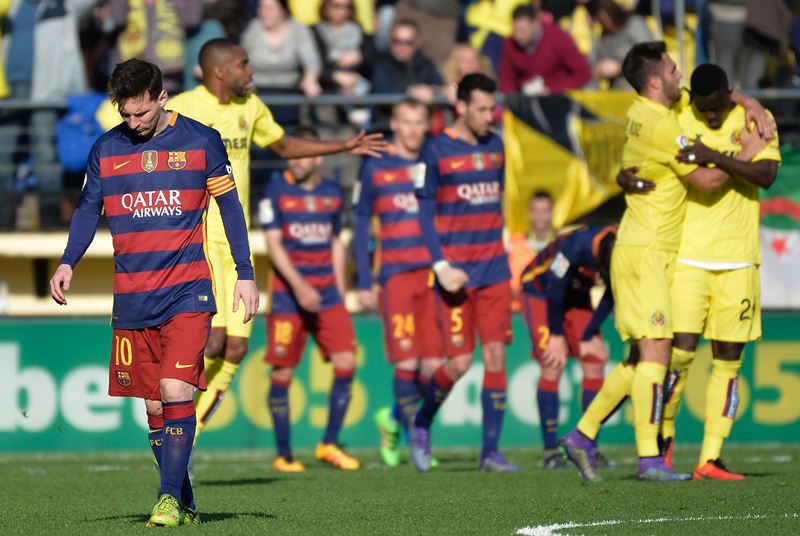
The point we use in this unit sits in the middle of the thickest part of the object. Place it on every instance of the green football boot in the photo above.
(166, 512)
(390, 436)
(189, 516)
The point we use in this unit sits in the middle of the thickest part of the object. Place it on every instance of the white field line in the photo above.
(554, 529)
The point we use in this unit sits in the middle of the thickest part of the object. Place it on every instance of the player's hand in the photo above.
(308, 297)
(556, 353)
(366, 144)
(697, 153)
(633, 184)
(368, 298)
(752, 143)
(594, 346)
(59, 284)
(451, 278)
(246, 291)
(758, 115)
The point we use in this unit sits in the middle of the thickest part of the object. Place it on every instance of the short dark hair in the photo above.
(212, 46)
(474, 81)
(307, 133)
(134, 78)
(411, 102)
(525, 11)
(641, 62)
(541, 194)
(709, 79)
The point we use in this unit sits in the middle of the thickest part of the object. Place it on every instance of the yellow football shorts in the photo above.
(723, 305)
(225, 277)
(640, 278)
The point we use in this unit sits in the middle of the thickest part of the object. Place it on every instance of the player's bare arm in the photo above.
(362, 144)
(246, 291)
(761, 173)
(709, 179)
(338, 261)
(307, 296)
(59, 283)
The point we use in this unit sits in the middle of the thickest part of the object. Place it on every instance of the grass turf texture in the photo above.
(238, 493)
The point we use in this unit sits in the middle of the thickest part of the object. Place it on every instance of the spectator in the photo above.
(621, 30)
(346, 53)
(539, 59)
(405, 68)
(156, 30)
(462, 61)
(43, 62)
(283, 55)
(438, 24)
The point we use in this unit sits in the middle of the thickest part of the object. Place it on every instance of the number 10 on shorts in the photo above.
(123, 351)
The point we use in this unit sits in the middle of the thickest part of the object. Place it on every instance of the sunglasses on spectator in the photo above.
(404, 42)
(341, 6)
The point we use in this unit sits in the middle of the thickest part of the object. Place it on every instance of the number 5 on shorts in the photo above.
(123, 351)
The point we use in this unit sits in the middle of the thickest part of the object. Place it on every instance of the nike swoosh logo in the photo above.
(388, 177)
(154, 431)
(456, 165)
(178, 365)
(125, 163)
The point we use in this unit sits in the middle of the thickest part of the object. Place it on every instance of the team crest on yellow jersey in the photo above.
(478, 161)
(242, 123)
(658, 319)
(176, 160)
(149, 161)
(124, 378)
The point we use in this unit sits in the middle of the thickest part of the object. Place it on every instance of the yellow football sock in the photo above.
(212, 366)
(679, 363)
(647, 393)
(722, 400)
(208, 400)
(616, 387)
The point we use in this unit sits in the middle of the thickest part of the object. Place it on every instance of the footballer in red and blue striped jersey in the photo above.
(462, 221)
(562, 322)
(301, 216)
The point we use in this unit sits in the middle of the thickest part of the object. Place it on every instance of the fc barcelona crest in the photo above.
(149, 161)
(310, 203)
(478, 161)
(176, 160)
(124, 378)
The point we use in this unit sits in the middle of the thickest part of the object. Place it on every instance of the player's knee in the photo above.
(459, 365)
(282, 375)
(494, 357)
(727, 351)
(427, 367)
(153, 407)
(174, 390)
(593, 370)
(550, 373)
(235, 349)
(686, 341)
(408, 364)
(344, 360)
(215, 347)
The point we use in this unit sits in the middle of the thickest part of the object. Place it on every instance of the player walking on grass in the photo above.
(302, 217)
(153, 176)
(405, 296)
(561, 321)
(225, 101)
(644, 257)
(462, 222)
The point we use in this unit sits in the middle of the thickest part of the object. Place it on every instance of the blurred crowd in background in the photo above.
(58, 54)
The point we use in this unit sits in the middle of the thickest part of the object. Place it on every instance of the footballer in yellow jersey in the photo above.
(225, 102)
(716, 287)
(644, 258)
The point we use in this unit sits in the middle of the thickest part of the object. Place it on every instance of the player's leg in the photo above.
(286, 341)
(492, 318)
(335, 337)
(735, 317)
(206, 402)
(684, 348)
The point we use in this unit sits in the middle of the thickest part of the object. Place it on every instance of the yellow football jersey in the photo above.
(722, 226)
(653, 139)
(242, 121)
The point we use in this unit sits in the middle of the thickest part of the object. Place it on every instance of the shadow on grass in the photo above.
(240, 482)
(206, 517)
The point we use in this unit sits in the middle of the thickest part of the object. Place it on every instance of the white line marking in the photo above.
(554, 529)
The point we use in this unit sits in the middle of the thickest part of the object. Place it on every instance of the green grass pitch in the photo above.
(238, 493)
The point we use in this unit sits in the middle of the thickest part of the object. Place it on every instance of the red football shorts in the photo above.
(575, 322)
(142, 357)
(411, 327)
(287, 333)
(485, 309)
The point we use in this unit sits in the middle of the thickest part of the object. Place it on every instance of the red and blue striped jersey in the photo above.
(154, 194)
(565, 271)
(308, 220)
(466, 181)
(385, 189)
